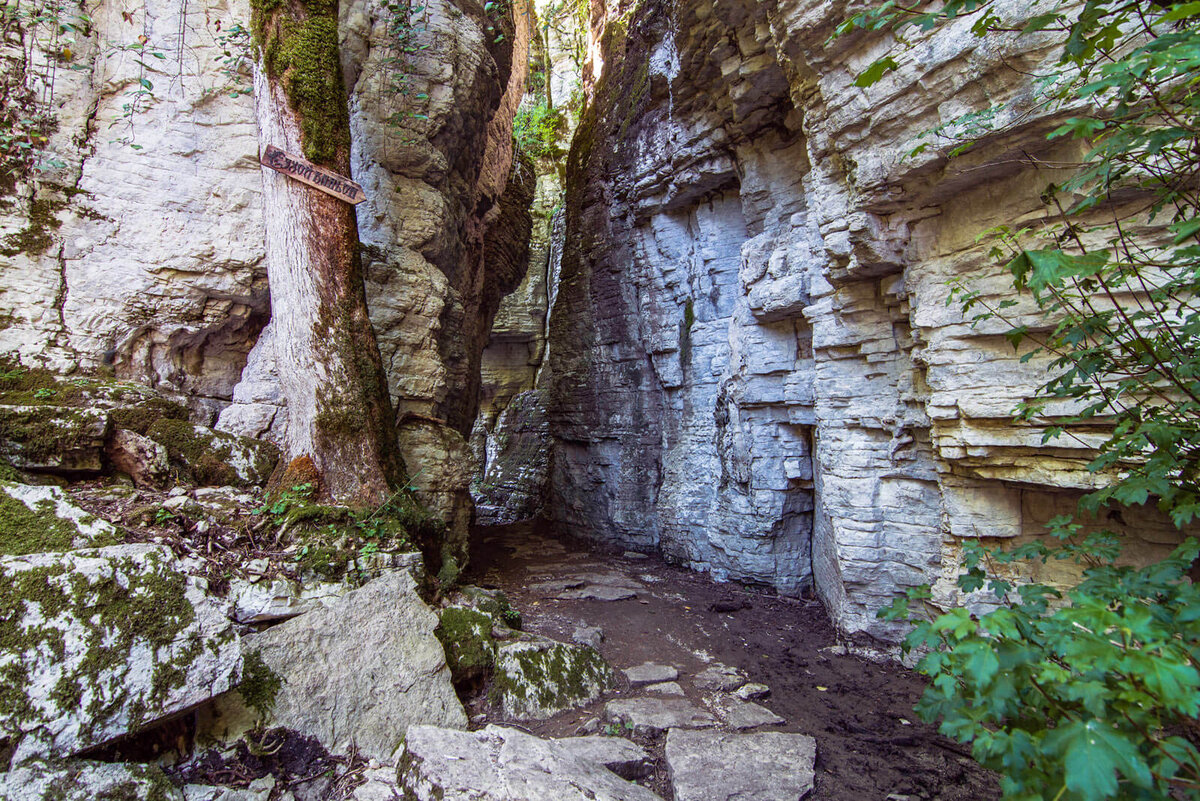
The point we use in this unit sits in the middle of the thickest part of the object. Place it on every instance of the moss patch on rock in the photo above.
(540, 678)
(33, 529)
(466, 636)
(260, 685)
(213, 458)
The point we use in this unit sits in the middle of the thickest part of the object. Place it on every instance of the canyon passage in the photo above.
(615, 399)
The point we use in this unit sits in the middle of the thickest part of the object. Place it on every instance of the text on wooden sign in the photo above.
(317, 177)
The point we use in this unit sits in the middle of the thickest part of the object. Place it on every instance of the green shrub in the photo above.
(537, 128)
(1091, 693)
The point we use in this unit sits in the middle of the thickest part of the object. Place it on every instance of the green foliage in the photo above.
(537, 128)
(1091, 693)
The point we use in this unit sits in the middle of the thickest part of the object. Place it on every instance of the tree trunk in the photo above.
(330, 371)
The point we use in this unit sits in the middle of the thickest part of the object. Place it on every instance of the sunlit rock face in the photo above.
(754, 366)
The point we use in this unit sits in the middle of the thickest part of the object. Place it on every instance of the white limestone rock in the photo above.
(110, 640)
(361, 670)
(503, 764)
(86, 781)
(719, 766)
(655, 715)
(44, 518)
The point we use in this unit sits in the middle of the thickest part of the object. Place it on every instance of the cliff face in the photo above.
(754, 366)
(145, 251)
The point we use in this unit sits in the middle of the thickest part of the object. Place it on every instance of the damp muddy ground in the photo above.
(870, 744)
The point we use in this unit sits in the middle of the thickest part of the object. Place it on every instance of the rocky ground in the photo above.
(695, 653)
(172, 630)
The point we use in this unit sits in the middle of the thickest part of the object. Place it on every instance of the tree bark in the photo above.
(330, 371)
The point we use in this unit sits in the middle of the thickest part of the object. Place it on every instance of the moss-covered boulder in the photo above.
(36, 519)
(96, 644)
(214, 458)
(531, 677)
(54, 439)
(79, 780)
(537, 677)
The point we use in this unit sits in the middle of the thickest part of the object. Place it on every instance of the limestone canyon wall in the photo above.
(142, 248)
(754, 366)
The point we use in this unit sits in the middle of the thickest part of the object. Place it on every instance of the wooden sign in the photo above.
(317, 177)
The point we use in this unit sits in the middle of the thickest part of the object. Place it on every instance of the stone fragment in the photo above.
(38, 519)
(591, 636)
(361, 670)
(503, 764)
(597, 592)
(719, 678)
(633, 555)
(742, 715)
(752, 691)
(108, 641)
(655, 715)
(665, 688)
(537, 677)
(720, 766)
(87, 781)
(650, 673)
(623, 757)
(141, 458)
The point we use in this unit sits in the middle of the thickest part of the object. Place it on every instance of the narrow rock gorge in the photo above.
(668, 303)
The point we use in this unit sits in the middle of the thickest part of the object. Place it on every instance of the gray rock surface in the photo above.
(664, 688)
(742, 715)
(650, 673)
(537, 677)
(108, 640)
(656, 715)
(362, 669)
(720, 678)
(719, 766)
(623, 757)
(88, 781)
(503, 764)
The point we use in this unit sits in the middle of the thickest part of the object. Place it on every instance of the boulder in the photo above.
(536, 677)
(36, 519)
(211, 457)
(503, 764)
(87, 781)
(360, 670)
(720, 766)
(97, 644)
(141, 458)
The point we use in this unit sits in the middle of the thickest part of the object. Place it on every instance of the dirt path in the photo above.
(870, 746)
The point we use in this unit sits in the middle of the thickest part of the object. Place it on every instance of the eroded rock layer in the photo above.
(755, 369)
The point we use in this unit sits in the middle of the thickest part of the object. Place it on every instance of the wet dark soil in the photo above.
(870, 744)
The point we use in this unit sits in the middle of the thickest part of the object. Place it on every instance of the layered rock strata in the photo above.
(754, 366)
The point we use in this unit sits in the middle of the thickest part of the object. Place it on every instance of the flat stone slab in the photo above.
(742, 715)
(655, 715)
(597, 593)
(665, 688)
(650, 673)
(723, 766)
(719, 678)
(503, 764)
(623, 757)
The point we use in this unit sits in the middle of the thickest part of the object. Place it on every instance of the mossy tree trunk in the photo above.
(330, 371)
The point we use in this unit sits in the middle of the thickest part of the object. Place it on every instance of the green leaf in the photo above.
(872, 74)
(1093, 754)
(1181, 12)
